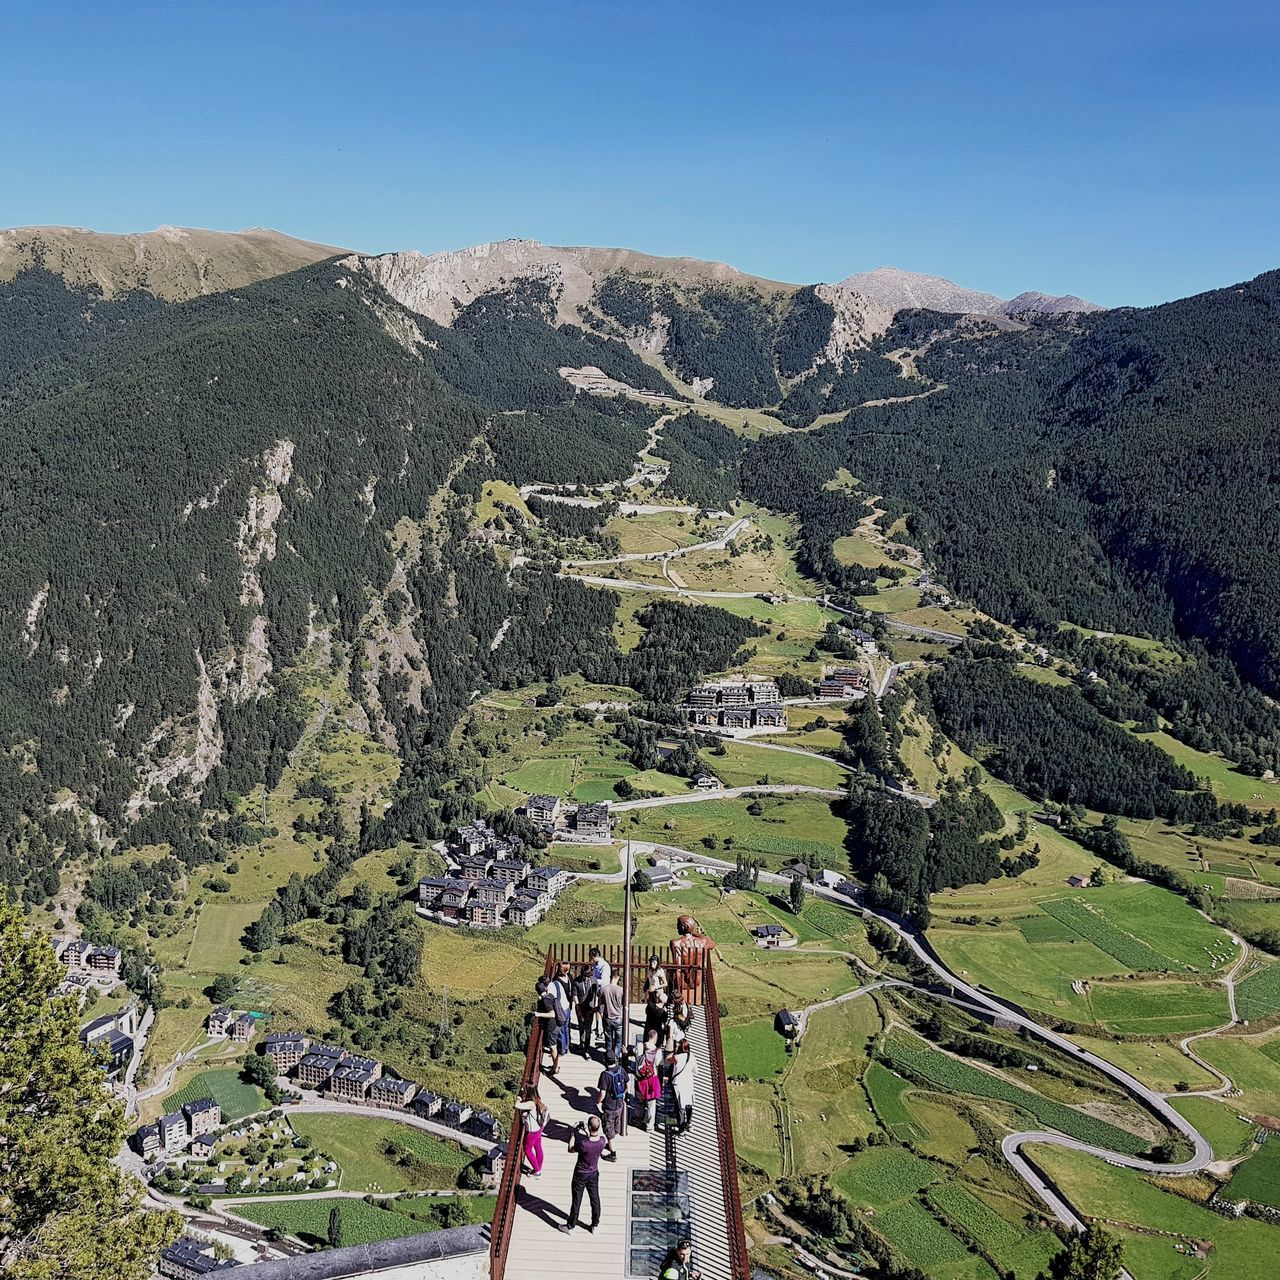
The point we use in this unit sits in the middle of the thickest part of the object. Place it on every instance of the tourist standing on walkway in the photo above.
(648, 1080)
(681, 1018)
(655, 979)
(535, 1114)
(656, 1015)
(601, 975)
(547, 1012)
(585, 996)
(561, 990)
(614, 1012)
(678, 1264)
(588, 1143)
(684, 1067)
(611, 1098)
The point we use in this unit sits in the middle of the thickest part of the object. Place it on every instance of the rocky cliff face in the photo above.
(901, 290)
(439, 285)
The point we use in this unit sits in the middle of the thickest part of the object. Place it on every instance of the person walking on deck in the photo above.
(649, 1080)
(611, 1098)
(588, 1143)
(684, 1067)
(614, 1010)
(535, 1114)
(601, 976)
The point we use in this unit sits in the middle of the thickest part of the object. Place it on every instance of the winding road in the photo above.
(976, 998)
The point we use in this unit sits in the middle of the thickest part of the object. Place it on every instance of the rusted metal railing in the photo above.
(739, 1262)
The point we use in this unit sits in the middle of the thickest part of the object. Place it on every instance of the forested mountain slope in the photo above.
(1121, 470)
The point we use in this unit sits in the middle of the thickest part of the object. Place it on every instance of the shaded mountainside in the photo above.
(1121, 470)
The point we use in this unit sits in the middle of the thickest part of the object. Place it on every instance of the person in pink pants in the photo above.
(535, 1121)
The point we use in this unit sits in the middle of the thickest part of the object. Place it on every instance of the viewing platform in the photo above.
(662, 1188)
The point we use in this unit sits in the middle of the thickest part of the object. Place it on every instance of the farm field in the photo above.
(1243, 1248)
(356, 1143)
(853, 549)
(754, 1049)
(947, 1073)
(216, 947)
(1158, 1064)
(1159, 1008)
(887, 1182)
(1258, 996)
(1010, 1244)
(1258, 1178)
(236, 1097)
(795, 826)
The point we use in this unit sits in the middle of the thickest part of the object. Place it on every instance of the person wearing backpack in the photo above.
(648, 1081)
(535, 1114)
(611, 1098)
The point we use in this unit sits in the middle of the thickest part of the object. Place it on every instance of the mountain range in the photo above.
(222, 453)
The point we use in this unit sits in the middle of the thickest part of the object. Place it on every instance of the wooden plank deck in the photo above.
(540, 1249)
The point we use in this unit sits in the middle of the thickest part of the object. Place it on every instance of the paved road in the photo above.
(1202, 1152)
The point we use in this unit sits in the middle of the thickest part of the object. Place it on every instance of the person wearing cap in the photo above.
(677, 1266)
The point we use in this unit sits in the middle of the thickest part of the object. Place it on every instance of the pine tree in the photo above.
(66, 1211)
(334, 1233)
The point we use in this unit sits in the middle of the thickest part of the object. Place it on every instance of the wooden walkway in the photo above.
(539, 1249)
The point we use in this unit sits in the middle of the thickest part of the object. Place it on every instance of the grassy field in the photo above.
(887, 1182)
(854, 549)
(1258, 996)
(886, 1091)
(1220, 1123)
(913, 1055)
(662, 531)
(789, 826)
(224, 1085)
(361, 1223)
(356, 1143)
(754, 1050)
(1243, 1249)
(1228, 784)
(1253, 1064)
(1258, 1178)
(216, 947)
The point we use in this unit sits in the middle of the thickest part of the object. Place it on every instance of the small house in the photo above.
(787, 1025)
(202, 1147)
(524, 910)
(1077, 882)
(219, 1021)
(455, 1114)
(706, 782)
(242, 1029)
(491, 1164)
(146, 1141)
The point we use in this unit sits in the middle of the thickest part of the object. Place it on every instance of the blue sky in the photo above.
(1123, 151)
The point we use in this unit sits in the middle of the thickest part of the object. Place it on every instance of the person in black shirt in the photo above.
(589, 1143)
(676, 1265)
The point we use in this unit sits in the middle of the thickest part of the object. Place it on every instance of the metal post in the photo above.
(626, 962)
